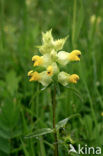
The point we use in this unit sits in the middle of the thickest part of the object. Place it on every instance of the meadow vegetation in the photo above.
(25, 107)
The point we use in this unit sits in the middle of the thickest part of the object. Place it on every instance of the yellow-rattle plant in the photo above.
(51, 59)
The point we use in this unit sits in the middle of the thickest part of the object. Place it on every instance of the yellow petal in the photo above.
(74, 55)
(73, 78)
(35, 77)
(50, 71)
(38, 60)
(30, 73)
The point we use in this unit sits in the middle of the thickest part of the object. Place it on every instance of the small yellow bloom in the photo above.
(38, 60)
(42, 77)
(35, 76)
(30, 73)
(74, 55)
(73, 78)
(65, 78)
(50, 71)
(101, 113)
(99, 19)
(44, 60)
(92, 19)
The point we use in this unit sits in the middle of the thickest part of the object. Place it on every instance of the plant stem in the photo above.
(54, 123)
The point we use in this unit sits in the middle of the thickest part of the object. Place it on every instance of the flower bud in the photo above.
(47, 37)
(58, 44)
(53, 55)
(45, 48)
(93, 19)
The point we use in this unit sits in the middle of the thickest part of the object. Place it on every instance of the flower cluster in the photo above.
(51, 60)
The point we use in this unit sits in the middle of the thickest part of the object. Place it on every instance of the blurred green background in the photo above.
(24, 108)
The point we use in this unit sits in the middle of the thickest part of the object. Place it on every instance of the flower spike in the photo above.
(50, 60)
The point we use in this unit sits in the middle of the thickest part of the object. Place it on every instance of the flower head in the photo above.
(47, 37)
(50, 60)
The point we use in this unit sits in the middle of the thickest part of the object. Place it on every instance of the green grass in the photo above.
(24, 107)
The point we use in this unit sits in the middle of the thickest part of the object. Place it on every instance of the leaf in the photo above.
(9, 119)
(4, 145)
(76, 92)
(12, 82)
(24, 148)
(63, 122)
(40, 132)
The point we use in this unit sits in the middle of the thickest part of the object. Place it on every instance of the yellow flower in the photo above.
(73, 78)
(30, 73)
(44, 60)
(52, 69)
(34, 76)
(101, 113)
(38, 60)
(92, 19)
(65, 78)
(74, 55)
(65, 57)
(42, 77)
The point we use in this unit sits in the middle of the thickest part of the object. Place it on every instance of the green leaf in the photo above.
(76, 92)
(4, 145)
(40, 132)
(9, 119)
(63, 122)
(12, 82)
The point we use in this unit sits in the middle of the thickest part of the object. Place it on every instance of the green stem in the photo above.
(54, 123)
